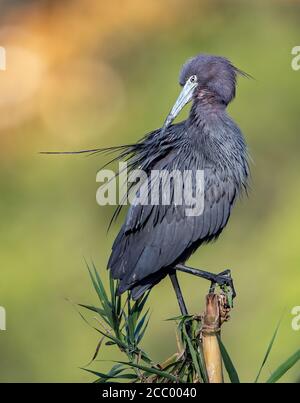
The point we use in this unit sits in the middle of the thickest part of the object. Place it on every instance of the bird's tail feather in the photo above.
(138, 289)
(92, 151)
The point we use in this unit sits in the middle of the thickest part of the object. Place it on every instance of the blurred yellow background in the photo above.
(87, 73)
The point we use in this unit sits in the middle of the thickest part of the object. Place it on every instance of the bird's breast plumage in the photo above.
(155, 237)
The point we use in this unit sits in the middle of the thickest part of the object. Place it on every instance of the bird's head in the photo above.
(205, 76)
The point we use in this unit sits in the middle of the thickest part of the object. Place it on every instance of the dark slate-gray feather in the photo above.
(156, 237)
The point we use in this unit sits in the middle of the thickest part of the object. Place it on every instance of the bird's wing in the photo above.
(154, 237)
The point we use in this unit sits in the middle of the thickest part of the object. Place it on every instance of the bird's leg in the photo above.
(178, 293)
(180, 300)
(221, 279)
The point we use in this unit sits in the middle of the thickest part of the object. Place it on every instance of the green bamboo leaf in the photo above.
(101, 286)
(151, 370)
(99, 374)
(114, 373)
(172, 365)
(202, 364)
(283, 368)
(127, 376)
(92, 308)
(119, 305)
(85, 320)
(95, 284)
(97, 350)
(268, 350)
(110, 343)
(116, 319)
(145, 357)
(231, 371)
(142, 332)
(116, 369)
(122, 320)
(98, 289)
(140, 324)
(130, 325)
(138, 307)
(98, 285)
(119, 342)
(112, 289)
(198, 363)
(99, 311)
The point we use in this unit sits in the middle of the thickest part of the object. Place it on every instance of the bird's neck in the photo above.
(214, 135)
(206, 106)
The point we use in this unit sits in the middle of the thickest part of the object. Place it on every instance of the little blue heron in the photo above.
(156, 240)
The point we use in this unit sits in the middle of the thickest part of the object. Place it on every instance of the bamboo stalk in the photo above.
(216, 312)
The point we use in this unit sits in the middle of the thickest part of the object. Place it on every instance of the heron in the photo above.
(155, 241)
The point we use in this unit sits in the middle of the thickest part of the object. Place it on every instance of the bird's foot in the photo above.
(223, 279)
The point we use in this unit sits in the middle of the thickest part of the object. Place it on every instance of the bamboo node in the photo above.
(216, 313)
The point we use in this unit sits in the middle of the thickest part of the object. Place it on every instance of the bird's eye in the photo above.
(193, 79)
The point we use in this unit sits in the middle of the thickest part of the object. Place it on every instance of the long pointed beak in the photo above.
(185, 97)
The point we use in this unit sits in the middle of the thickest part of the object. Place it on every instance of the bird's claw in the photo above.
(225, 281)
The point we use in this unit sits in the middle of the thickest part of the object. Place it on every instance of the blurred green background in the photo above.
(89, 73)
